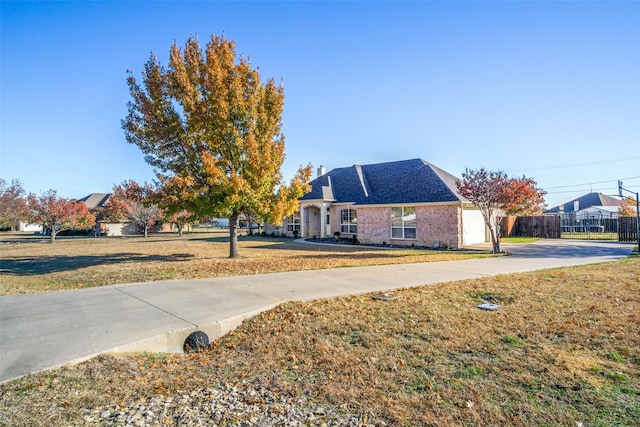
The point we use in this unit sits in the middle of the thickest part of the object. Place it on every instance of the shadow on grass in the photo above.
(33, 266)
(292, 245)
(357, 251)
(241, 238)
(346, 245)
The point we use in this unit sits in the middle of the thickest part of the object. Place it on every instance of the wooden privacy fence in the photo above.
(628, 229)
(551, 227)
(547, 227)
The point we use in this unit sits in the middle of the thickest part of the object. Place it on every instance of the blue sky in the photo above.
(546, 89)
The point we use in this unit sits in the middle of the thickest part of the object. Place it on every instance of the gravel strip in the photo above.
(245, 405)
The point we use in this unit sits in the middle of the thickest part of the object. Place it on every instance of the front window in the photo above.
(403, 223)
(293, 222)
(348, 221)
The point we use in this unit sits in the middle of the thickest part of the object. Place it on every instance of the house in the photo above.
(25, 226)
(107, 227)
(104, 226)
(584, 202)
(593, 212)
(405, 203)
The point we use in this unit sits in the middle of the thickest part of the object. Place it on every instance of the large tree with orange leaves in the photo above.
(212, 130)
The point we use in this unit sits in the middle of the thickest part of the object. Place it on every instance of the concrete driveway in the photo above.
(47, 330)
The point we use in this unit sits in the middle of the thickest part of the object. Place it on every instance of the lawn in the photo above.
(519, 239)
(30, 264)
(589, 235)
(563, 349)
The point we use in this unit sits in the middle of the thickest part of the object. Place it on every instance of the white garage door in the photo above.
(473, 227)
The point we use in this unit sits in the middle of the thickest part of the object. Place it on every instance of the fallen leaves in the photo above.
(431, 358)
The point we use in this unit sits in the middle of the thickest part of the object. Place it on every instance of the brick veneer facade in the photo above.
(437, 225)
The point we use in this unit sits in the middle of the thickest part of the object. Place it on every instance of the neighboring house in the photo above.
(410, 202)
(104, 227)
(25, 226)
(112, 229)
(593, 212)
(584, 202)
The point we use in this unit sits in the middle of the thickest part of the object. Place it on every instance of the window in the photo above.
(293, 222)
(348, 221)
(403, 223)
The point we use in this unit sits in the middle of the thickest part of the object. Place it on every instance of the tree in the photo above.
(57, 214)
(13, 205)
(213, 132)
(495, 194)
(173, 209)
(136, 202)
(180, 219)
(627, 207)
(522, 197)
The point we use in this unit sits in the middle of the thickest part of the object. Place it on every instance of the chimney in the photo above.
(321, 171)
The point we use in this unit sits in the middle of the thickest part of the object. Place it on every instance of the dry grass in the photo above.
(36, 266)
(563, 350)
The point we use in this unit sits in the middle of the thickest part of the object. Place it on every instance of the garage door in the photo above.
(473, 227)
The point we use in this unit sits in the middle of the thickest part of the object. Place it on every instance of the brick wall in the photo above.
(436, 225)
(439, 225)
(374, 225)
(334, 218)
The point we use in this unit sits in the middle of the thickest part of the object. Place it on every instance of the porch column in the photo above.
(323, 220)
(303, 222)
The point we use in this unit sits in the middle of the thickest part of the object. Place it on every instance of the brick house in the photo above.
(106, 227)
(404, 203)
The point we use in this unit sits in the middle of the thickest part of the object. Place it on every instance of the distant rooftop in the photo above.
(95, 200)
(586, 201)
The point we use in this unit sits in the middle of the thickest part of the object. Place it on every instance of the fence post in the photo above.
(620, 190)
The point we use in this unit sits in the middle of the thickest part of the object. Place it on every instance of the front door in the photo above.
(313, 221)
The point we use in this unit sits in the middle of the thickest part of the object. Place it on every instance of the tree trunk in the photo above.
(146, 230)
(180, 227)
(495, 240)
(233, 236)
(53, 235)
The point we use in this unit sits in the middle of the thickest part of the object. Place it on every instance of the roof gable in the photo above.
(402, 182)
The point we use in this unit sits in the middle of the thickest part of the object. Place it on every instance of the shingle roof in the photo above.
(406, 181)
(586, 201)
(95, 200)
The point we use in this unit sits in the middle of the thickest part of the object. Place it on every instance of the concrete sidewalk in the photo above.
(47, 330)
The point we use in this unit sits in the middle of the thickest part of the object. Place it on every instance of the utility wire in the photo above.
(594, 190)
(593, 183)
